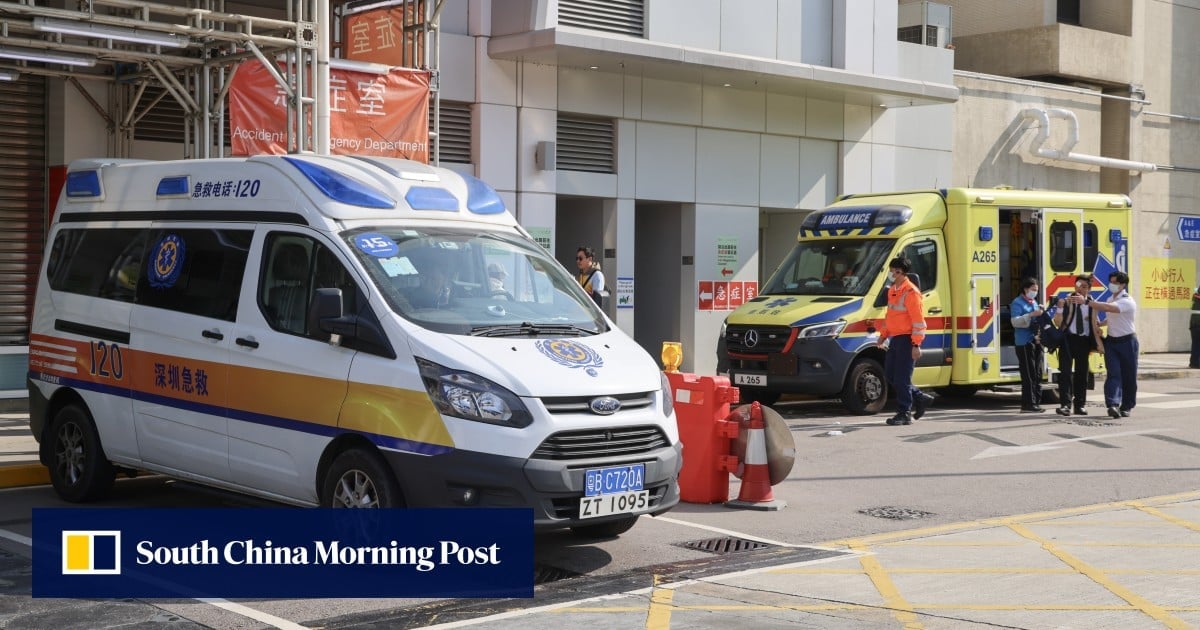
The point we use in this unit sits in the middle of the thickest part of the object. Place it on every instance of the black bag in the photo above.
(1052, 336)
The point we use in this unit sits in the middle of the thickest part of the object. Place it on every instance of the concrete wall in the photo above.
(972, 17)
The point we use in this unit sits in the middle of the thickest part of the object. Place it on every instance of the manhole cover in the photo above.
(724, 544)
(544, 574)
(895, 513)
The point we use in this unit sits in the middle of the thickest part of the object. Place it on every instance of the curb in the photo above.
(18, 475)
(1163, 374)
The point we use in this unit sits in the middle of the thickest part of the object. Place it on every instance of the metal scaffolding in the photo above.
(192, 52)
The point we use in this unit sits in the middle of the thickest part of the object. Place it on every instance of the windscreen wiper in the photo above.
(530, 329)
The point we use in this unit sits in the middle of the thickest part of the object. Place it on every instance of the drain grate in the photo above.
(544, 574)
(896, 513)
(724, 545)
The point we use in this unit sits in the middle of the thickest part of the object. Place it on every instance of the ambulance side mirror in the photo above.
(327, 313)
(881, 299)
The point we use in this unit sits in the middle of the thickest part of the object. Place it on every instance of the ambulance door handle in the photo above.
(247, 342)
(935, 310)
(212, 334)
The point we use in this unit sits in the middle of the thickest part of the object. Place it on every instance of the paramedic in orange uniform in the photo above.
(905, 327)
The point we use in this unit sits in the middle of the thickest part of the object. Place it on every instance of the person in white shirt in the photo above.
(1120, 347)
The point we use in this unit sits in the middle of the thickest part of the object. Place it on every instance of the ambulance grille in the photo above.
(769, 338)
(581, 404)
(593, 443)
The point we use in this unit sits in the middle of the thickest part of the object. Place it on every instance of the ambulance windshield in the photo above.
(829, 267)
(463, 281)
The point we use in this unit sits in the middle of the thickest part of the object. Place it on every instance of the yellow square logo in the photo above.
(91, 552)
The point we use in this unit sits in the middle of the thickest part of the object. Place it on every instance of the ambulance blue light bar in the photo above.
(430, 198)
(481, 198)
(342, 188)
(173, 186)
(83, 184)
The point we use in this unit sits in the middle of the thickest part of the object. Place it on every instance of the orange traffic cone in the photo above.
(755, 493)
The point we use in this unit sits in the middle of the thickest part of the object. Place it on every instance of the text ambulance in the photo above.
(323, 331)
(811, 328)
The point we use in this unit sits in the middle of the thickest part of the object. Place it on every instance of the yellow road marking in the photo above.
(1022, 518)
(658, 617)
(1146, 606)
(1174, 520)
(901, 609)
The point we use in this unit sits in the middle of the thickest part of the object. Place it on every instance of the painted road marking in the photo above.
(998, 451)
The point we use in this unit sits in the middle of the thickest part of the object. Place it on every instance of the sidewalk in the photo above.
(19, 464)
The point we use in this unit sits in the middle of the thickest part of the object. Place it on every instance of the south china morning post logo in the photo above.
(91, 552)
(283, 553)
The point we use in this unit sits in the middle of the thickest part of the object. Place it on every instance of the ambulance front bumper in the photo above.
(811, 366)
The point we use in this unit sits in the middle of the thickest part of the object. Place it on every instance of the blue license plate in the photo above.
(614, 480)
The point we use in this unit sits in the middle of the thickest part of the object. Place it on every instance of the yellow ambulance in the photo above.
(811, 328)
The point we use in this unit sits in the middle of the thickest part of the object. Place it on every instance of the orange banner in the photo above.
(369, 114)
(378, 35)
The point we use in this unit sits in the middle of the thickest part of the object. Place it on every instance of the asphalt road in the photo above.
(967, 460)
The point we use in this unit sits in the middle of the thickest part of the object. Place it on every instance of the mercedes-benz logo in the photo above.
(750, 338)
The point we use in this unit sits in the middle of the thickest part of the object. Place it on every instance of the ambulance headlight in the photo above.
(472, 397)
(831, 329)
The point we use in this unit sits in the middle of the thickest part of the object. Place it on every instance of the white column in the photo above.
(619, 235)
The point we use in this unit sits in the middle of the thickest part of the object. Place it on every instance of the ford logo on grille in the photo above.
(751, 338)
(605, 405)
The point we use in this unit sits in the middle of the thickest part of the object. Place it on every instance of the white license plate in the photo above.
(605, 504)
(758, 380)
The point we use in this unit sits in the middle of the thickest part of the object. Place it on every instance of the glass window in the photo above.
(1091, 246)
(1063, 246)
(196, 271)
(294, 267)
(97, 262)
(923, 256)
(464, 281)
(829, 267)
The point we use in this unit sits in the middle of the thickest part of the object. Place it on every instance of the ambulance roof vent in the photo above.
(83, 184)
(340, 187)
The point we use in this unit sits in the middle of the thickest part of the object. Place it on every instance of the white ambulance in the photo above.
(335, 331)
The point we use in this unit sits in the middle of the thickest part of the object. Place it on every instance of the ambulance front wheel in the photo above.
(359, 478)
(865, 391)
(611, 529)
(79, 470)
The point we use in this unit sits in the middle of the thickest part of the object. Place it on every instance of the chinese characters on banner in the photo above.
(1166, 283)
(377, 35)
(369, 114)
(723, 295)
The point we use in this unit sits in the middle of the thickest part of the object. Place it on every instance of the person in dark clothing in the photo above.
(1082, 337)
(1194, 362)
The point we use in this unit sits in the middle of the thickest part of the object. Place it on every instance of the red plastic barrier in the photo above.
(701, 406)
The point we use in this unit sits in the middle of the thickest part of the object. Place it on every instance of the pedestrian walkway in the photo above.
(1130, 564)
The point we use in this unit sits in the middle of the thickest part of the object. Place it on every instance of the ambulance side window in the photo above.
(97, 263)
(924, 259)
(195, 271)
(1063, 253)
(1091, 246)
(294, 267)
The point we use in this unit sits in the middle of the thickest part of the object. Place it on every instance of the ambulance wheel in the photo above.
(865, 391)
(611, 529)
(79, 470)
(359, 478)
(747, 396)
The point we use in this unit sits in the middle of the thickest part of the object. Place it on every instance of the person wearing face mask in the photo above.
(1121, 347)
(905, 326)
(1077, 318)
(838, 269)
(1025, 312)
